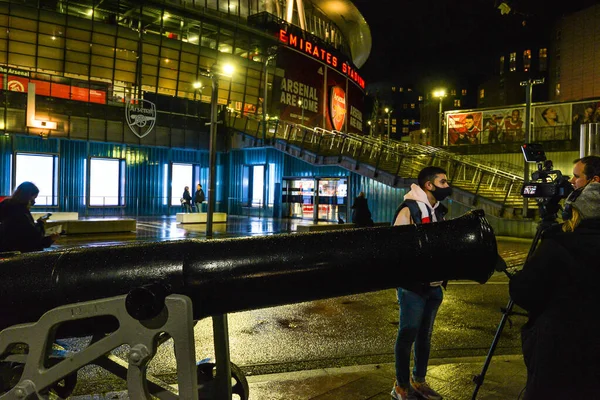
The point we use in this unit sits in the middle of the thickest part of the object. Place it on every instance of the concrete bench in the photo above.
(331, 227)
(57, 216)
(100, 225)
(199, 218)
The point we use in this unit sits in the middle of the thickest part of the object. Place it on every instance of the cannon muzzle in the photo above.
(228, 275)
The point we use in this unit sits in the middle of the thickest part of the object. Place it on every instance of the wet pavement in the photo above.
(450, 375)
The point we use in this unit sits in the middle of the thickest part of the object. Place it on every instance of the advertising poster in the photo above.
(552, 122)
(336, 102)
(493, 124)
(298, 94)
(513, 126)
(356, 106)
(465, 128)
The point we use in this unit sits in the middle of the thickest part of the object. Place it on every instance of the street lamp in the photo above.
(388, 111)
(214, 73)
(302, 108)
(271, 54)
(370, 127)
(440, 94)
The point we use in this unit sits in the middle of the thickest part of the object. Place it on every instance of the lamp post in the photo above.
(226, 70)
(440, 94)
(370, 127)
(388, 111)
(302, 108)
(528, 136)
(270, 56)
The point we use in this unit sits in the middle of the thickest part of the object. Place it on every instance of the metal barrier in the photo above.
(134, 294)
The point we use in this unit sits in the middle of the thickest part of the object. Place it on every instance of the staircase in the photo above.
(493, 187)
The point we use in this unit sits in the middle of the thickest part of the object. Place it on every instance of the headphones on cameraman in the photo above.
(567, 212)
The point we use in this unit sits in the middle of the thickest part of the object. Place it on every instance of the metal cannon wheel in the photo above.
(206, 382)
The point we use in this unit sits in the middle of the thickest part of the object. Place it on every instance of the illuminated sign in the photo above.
(337, 107)
(313, 50)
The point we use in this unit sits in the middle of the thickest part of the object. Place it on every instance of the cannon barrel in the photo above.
(235, 274)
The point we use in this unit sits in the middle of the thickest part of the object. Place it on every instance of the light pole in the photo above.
(440, 94)
(270, 56)
(370, 127)
(388, 111)
(302, 108)
(213, 73)
(528, 136)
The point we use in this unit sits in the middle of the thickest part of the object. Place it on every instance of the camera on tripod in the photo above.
(546, 183)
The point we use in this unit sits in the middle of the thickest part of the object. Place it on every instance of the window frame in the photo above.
(121, 200)
(55, 175)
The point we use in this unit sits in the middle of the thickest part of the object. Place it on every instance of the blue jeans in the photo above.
(417, 315)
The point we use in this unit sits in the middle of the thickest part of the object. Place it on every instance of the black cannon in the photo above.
(138, 293)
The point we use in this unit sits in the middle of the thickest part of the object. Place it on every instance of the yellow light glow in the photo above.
(228, 69)
(197, 85)
(439, 93)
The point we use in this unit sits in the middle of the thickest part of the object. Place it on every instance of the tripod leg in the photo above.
(478, 379)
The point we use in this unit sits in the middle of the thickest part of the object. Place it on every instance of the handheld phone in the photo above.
(46, 216)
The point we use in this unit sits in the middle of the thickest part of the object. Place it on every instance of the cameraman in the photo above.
(558, 286)
(585, 170)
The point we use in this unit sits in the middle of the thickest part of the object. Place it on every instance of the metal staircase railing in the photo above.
(498, 184)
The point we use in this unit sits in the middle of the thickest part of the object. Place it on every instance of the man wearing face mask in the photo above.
(419, 303)
(18, 230)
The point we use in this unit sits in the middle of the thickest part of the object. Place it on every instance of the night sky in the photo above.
(417, 41)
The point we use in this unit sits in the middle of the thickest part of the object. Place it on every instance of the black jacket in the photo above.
(199, 196)
(361, 215)
(558, 286)
(18, 230)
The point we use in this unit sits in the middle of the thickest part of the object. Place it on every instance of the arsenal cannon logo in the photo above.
(337, 107)
(141, 116)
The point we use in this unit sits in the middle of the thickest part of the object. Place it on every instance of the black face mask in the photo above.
(441, 193)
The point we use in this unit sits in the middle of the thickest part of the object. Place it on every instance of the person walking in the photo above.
(199, 197)
(18, 230)
(361, 215)
(558, 288)
(419, 302)
(186, 200)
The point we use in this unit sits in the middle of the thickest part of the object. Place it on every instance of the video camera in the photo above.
(546, 183)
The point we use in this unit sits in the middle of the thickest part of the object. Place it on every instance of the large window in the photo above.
(181, 176)
(107, 182)
(41, 169)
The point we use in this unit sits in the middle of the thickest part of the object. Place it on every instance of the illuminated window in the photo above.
(401, 89)
(412, 105)
(405, 122)
(526, 60)
(456, 102)
(258, 185)
(557, 90)
(464, 92)
(393, 121)
(107, 182)
(41, 169)
(404, 130)
(482, 94)
(409, 89)
(513, 62)
(181, 176)
(420, 98)
(453, 92)
(543, 59)
(393, 88)
(501, 65)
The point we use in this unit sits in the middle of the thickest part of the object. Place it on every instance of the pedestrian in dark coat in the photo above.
(18, 230)
(186, 200)
(361, 215)
(558, 287)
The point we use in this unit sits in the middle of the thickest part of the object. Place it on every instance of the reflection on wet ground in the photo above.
(167, 228)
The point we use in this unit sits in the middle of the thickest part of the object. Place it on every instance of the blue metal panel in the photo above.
(5, 165)
(383, 199)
